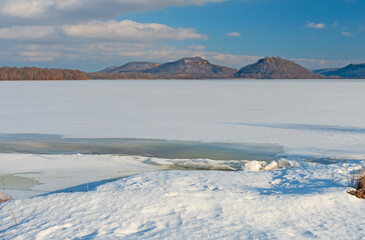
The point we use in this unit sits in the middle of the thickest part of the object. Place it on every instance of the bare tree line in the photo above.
(33, 73)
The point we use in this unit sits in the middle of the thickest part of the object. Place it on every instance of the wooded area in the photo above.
(33, 73)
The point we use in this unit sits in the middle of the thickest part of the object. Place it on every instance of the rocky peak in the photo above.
(195, 60)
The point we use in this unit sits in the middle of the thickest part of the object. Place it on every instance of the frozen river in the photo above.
(321, 117)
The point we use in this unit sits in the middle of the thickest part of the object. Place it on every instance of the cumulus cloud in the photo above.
(65, 30)
(234, 34)
(69, 5)
(63, 11)
(125, 30)
(24, 8)
(26, 32)
(128, 30)
(316, 25)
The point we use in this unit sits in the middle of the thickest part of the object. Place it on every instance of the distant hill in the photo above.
(33, 73)
(324, 70)
(194, 67)
(276, 68)
(350, 71)
(130, 67)
(108, 70)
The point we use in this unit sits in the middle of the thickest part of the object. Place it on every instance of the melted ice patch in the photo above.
(15, 181)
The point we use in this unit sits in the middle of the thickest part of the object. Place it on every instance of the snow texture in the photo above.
(28, 175)
(49, 173)
(301, 203)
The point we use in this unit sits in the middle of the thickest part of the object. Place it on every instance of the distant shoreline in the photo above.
(195, 68)
(187, 79)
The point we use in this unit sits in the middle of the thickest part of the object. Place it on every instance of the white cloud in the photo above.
(234, 34)
(316, 25)
(128, 30)
(26, 32)
(69, 5)
(65, 30)
(24, 8)
(116, 52)
(197, 47)
(64, 11)
(347, 34)
(125, 30)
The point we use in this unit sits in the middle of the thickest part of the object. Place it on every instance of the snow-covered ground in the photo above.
(291, 199)
(301, 203)
(28, 175)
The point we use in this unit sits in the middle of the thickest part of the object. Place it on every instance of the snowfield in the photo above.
(29, 175)
(301, 194)
(302, 203)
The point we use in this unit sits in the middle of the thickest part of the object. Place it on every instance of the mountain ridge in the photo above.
(192, 66)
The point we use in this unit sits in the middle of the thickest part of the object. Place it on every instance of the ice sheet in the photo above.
(323, 117)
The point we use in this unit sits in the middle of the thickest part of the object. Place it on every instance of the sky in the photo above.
(94, 34)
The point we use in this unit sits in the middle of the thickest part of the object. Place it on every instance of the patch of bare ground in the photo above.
(4, 197)
(357, 187)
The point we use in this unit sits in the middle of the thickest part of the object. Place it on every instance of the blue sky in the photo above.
(93, 34)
